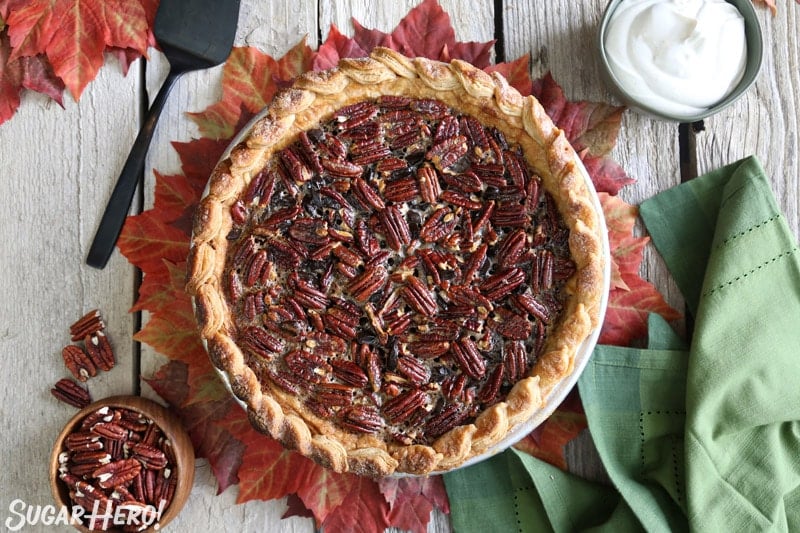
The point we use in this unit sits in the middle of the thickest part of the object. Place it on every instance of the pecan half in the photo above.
(395, 227)
(88, 324)
(349, 372)
(117, 473)
(468, 358)
(412, 368)
(110, 430)
(515, 360)
(151, 457)
(361, 419)
(83, 441)
(363, 286)
(71, 393)
(368, 196)
(400, 408)
(307, 365)
(439, 224)
(490, 390)
(418, 296)
(429, 186)
(99, 350)
(78, 362)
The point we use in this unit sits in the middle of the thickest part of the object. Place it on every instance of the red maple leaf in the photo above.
(33, 73)
(425, 31)
(591, 128)
(517, 73)
(74, 35)
(411, 500)
(268, 469)
(335, 47)
(201, 407)
(364, 509)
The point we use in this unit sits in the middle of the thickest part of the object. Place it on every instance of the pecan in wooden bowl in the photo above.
(400, 266)
(123, 463)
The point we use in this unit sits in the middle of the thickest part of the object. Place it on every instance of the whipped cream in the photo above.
(678, 57)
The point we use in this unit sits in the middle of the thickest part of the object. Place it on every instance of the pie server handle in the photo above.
(118, 205)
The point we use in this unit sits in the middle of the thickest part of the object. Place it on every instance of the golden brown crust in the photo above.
(314, 97)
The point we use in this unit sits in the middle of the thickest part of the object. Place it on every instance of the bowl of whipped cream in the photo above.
(680, 60)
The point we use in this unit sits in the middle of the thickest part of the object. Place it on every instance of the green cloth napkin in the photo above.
(705, 437)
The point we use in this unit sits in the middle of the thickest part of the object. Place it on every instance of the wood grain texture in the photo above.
(766, 121)
(59, 166)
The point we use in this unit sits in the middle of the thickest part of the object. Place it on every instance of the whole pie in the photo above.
(396, 264)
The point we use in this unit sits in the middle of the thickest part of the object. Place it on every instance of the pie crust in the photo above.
(314, 98)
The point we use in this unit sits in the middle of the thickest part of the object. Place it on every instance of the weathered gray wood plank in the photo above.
(766, 121)
(59, 166)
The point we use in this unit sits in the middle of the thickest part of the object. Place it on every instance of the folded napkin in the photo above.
(704, 437)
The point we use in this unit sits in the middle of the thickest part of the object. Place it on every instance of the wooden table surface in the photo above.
(58, 168)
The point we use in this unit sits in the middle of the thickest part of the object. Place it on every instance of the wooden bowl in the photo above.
(171, 428)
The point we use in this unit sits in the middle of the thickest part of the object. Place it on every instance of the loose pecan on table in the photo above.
(90, 352)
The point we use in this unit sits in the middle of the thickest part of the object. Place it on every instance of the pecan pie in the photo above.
(396, 264)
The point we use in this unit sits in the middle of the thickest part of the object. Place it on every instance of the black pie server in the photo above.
(194, 35)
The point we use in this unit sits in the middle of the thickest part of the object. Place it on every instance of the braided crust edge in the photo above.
(313, 98)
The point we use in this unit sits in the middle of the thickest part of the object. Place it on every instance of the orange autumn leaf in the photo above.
(201, 403)
(632, 298)
(628, 309)
(547, 441)
(250, 79)
(768, 4)
(147, 241)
